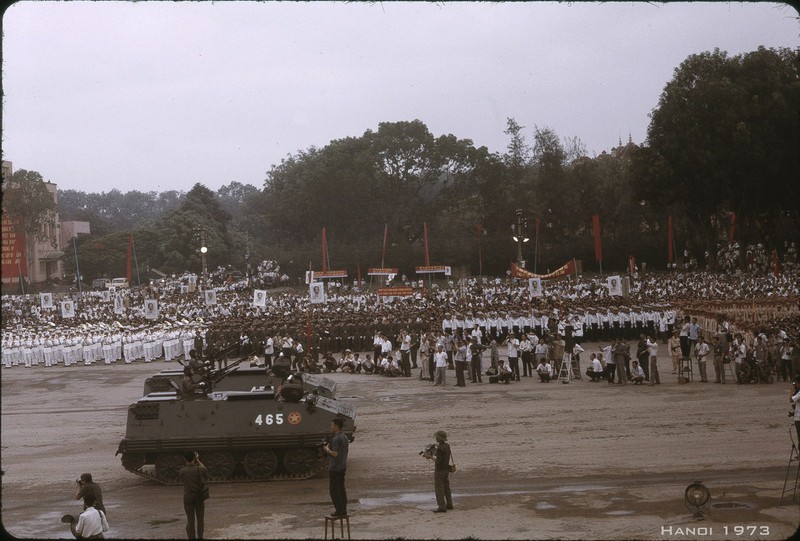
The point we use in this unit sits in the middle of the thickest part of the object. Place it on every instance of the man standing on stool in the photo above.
(337, 466)
(441, 475)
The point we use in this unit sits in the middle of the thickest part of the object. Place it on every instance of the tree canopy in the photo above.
(722, 140)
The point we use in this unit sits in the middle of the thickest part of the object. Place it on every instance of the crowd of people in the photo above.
(356, 330)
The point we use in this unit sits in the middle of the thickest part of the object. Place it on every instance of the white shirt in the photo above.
(91, 522)
(440, 358)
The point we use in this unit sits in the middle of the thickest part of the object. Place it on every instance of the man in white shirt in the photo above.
(92, 522)
(637, 374)
(545, 371)
(595, 370)
(701, 351)
(440, 363)
(652, 351)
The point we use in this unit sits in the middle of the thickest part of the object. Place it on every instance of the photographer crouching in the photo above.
(440, 453)
(86, 488)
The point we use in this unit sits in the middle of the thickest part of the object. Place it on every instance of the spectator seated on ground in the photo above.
(347, 363)
(329, 364)
(493, 373)
(637, 374)
(368, 365)
(393, 367)
(595, 370)
(545, 371)
(309, 366)
(504, 372)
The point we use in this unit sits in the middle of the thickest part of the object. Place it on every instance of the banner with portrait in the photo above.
(46, 300)
(615, 286)
(151, 309)
(316, 292)
(211, 297)
(119, 304)
(67, 309)
(535, 287)
(106, 295)
(260, 298)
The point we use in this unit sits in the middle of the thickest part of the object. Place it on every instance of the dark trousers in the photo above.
(644, 362)
(338, 492)
(268, 360)
(431, 366)
(527, 367)
(195, 512)
(611, 368)
(513, 362)
(441, 486)
(475, 368)
(684, 346)
(461, 367)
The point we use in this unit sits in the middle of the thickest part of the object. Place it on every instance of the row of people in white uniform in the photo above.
(89, 348)
(582, 321)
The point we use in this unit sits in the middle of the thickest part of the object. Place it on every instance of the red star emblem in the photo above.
(295, 418)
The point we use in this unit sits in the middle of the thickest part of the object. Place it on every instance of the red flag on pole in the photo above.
(669, 239)
(129, 268)
(598, 247)
(324, 251)
(732, 231)
(427, 258)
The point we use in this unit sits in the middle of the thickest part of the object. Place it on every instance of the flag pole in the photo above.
(21, 277)
(77, 268)
(136, 262)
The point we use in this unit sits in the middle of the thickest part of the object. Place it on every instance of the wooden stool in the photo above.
(332, 521)
(685, 370)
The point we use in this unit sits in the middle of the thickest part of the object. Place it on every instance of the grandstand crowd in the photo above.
(356, 330)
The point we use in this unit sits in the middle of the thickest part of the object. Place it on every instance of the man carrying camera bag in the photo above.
(441, 475)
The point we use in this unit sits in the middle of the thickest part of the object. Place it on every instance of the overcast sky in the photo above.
(161, 95)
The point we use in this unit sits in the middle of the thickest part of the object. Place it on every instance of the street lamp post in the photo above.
(520, 235)
(203, 251)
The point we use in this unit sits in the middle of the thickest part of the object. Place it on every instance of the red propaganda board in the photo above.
(433, 268)
(13, 251)
(381, 271)
(395, 291)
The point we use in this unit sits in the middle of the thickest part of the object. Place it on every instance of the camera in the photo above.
(321, 446)
(428, 450)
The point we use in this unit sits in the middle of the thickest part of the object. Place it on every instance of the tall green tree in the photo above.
(724, 139)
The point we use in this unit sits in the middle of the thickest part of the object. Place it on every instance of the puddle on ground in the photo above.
(620, 512)
(579, 488)
(426, 497)
(545, 505)
(166, 521)
(412, 499)
(731, 505)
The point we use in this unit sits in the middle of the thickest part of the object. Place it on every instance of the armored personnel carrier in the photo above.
(262, 433)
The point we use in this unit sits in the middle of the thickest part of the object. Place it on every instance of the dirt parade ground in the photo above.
(535, 461)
